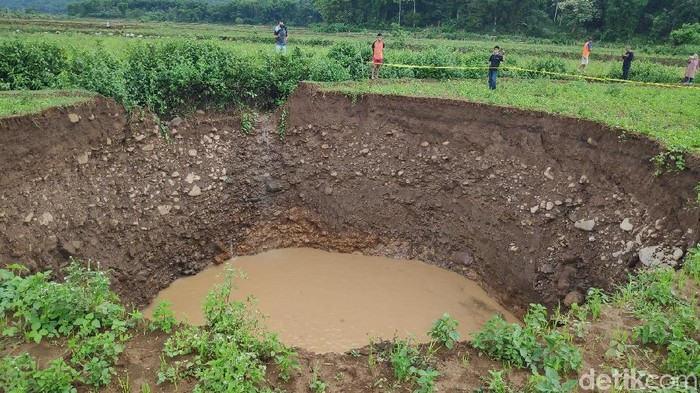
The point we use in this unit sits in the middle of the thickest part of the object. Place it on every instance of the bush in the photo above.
(353, 58)
(179, 76)
(644, 71)
(97, 71)
(328, 71)
(547, 64)
(30, 65)
(689, 34)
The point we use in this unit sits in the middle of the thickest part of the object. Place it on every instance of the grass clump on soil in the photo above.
(80, 310)
(654, 334)
(232, 347)
(91, 325)
(27, 102)
(665, 114)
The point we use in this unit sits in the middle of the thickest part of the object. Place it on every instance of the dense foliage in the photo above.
(605, 19)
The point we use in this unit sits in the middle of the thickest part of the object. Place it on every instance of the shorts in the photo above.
(584, 60)
(377, 61)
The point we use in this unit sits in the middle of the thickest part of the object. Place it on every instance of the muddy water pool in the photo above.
(330, 302)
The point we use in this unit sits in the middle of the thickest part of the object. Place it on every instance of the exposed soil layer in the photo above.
(499, 194)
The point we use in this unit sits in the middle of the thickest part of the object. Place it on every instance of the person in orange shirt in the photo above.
(585, 54)
(377, 55)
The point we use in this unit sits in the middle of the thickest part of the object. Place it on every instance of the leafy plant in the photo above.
(317, 385)
(444, 330)
(282, 124)
(550, 382)
(163, 317)
(670, 160)
(496, 383)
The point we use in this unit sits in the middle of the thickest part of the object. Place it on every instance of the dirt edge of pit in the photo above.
(110, 189)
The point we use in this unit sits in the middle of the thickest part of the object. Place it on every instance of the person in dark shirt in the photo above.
(494, 62)
(627, 58)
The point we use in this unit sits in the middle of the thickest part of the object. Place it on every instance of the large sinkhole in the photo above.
(533, 207)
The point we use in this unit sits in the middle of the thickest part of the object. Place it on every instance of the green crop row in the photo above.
(183, 75)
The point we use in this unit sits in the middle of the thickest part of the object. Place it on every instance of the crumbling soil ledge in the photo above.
(502, 195)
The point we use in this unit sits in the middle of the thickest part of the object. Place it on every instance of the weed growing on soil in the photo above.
(317, 385)
(81, 308)
(496, 383)
(444, 331)
(231, 348)
(247, 121)
(163, 317)
(282, 125)
(670, 160)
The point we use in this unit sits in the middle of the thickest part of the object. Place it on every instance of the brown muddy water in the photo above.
(331, 302)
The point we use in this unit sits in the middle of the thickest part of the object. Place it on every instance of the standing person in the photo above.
(584, 55)
(281, 35)
(627, 58)
(494, 62)
(377, 55)
(691, 69)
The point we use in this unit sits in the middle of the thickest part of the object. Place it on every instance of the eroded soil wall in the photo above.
(461, 185)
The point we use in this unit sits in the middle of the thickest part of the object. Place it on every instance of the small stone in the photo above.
(195, 191)
(192, 153)
(534, 209)
(176, 121)
(558, 202)
(677, 253)
(148, 147)
(583, 179)
(140, 137)
(547, 174)
(175, 174)
(425, 144)
(461, 258)
(74, 118)
(164, 209)
(592, 142)
(83, 158)
(364, 151)
(230, 180)
(547, 268)
(585, 225)
(328, 190)
(28, 217)
(646, 255)
(325, 146)
(549, 206)
(626, 225)
(273, 186)
(573, 297)
(199, 112)
(191, 178)
(91, 117)
(45, 219)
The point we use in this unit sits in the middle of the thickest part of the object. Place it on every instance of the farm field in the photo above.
(133, 154)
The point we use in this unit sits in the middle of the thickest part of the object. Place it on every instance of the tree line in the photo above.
(610, 20)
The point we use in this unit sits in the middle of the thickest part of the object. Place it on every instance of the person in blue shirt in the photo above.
(494, 62)
(281, 35)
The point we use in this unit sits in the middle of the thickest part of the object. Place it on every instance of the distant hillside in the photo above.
(53, 6)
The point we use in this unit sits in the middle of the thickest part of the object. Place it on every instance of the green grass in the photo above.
(26, 102)
(665, 114)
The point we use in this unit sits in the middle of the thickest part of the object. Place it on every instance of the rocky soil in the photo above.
(536, 207)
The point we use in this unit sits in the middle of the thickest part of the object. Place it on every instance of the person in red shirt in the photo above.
(377, 55)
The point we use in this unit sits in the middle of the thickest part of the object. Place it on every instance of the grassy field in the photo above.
(666, 114)
(27, 102)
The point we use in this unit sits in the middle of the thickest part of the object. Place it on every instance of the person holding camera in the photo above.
(494, 62)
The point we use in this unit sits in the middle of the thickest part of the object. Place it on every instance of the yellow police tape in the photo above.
(594, 78)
